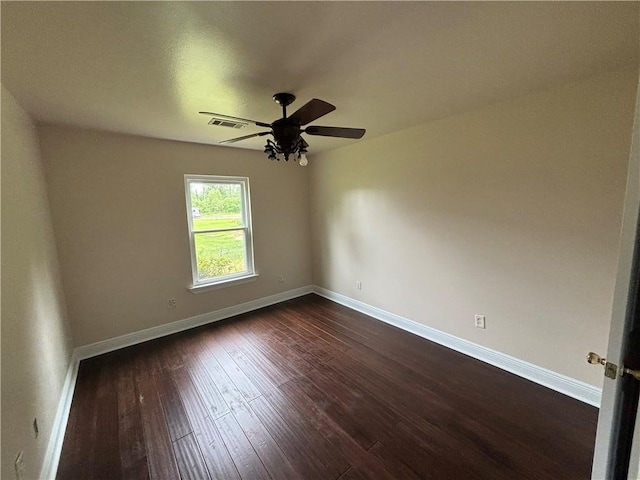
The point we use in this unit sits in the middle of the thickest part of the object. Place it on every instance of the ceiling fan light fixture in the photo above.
(270, 151)
(304, 161)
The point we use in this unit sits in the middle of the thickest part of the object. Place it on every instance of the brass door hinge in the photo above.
(611, 369)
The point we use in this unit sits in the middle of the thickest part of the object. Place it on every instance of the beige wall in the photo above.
(119, 211)
(512, 211)
(36, 344)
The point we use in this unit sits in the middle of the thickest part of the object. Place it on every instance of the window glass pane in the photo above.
(220, 253)
(216, 205)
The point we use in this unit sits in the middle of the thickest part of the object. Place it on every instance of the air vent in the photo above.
(223, 122)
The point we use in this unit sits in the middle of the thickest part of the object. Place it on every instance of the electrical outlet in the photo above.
(480, 321)
(36, 431)
(19, 466)
(282, 278)
(359, 285)
(171, 304)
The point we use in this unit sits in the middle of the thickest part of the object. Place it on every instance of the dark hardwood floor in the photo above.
(309, 389)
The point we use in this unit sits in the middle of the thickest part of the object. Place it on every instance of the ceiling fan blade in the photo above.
(336, 132)
(260, 124)
(311, 111)
(237, 139)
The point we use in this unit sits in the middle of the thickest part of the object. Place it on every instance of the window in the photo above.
(219, 215)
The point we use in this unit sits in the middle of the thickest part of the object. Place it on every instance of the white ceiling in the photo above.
(147, 68)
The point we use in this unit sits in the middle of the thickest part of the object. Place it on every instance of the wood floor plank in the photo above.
(244, 456)
(314, 349)
(219, 463)
(174, 412)
(333, 328)
(393, 463)
(427, 458)
(240, 381)
(228, 388)
(271, 454)
(107, 422)
(309, 353)
(186, 355)
(262, 373)
(160, 456)
(311, 389)
(170, 352)
(80, 440)
(236, 393)
(267, 347)
(354, 417)
(336, 433)
(255, 346)
(307, 451)
(205, 383)
(133, 453)
(344, 317)
(297, 320)
(189, 459)
(147, 362)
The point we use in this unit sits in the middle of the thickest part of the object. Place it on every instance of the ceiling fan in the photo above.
(287, 131)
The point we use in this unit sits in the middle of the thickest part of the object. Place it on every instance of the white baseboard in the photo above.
(569, 386)
(56, 438)
(152, 333)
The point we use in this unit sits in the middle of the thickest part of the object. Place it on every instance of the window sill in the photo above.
(196, 289)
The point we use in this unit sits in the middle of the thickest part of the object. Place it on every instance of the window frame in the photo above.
(201, 285)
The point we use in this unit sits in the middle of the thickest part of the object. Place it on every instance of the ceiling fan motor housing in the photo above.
(286, 133)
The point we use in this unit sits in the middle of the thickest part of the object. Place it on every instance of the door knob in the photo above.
(610, 369)
(595, 359)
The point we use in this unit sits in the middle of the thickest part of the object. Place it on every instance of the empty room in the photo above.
(320, 240)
